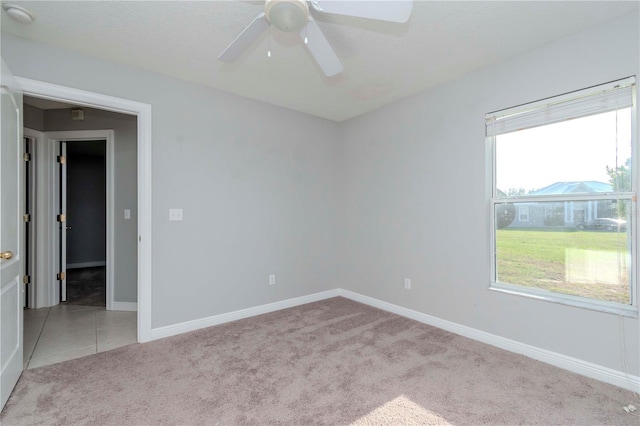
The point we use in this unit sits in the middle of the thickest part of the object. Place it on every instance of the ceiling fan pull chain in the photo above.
(269, 43)
(306, 40)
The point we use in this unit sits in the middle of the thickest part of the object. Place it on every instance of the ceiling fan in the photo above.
(295, 16)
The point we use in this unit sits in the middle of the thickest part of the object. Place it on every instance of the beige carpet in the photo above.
(329, 362)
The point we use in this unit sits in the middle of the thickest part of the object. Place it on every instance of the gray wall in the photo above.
(86, 203)
(399, 192)
(33, 117)
(417, 193)
(258, 185)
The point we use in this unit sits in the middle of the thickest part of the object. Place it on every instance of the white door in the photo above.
(62, 220)
(11, 287)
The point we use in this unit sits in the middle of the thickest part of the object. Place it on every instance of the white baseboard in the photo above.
(184, 327)
(585, 368)
(86, 264)
(124, 306)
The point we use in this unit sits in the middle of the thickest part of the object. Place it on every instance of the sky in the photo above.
(574, 150)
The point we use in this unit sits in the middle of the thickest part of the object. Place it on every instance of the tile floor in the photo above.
(65, 332)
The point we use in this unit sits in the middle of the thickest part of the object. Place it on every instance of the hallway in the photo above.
(65, 332)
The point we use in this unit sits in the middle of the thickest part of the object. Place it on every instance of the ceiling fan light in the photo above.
(287, 15)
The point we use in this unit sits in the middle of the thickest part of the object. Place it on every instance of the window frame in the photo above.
(629, 310)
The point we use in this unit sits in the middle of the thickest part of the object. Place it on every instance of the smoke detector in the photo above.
(18, 13)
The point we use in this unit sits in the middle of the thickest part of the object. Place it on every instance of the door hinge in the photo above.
(26, 217)
(61, 218)
(26, 279)
(26, 156)
(61, 159)
(61, 276)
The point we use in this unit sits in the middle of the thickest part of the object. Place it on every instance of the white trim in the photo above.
(111, 219)
(566, 299)
(574, 365)
(143, 112)
(41, 255)
(86, 264)
(124, 306)
(187, 326)
(557, 198)
(108, 136)
(144, 223)
(44, 212)
(62, 197)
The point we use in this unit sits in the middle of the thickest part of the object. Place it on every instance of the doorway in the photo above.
(75, 236)
(86, 233)
(142, 112)
(11, 293)
(85, 224)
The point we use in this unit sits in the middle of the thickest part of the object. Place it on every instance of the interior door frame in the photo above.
(29, 195)
(44, 209)
(62, 223)
(143, 112)
(54, 138)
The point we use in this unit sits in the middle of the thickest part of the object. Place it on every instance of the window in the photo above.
(563, 195)
(523, 214)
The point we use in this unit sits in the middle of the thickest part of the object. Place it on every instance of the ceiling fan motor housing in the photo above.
(287, 15)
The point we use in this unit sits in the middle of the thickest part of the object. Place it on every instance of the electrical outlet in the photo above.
(407, 284)
(272, 279)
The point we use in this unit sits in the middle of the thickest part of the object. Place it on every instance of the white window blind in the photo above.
(595, 100)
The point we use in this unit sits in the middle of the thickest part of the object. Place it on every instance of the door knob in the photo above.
(6, 255)
(69, 228)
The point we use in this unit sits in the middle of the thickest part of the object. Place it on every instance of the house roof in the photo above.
(579, 187)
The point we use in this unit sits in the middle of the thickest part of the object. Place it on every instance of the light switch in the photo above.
(175, 214)
(127, 214)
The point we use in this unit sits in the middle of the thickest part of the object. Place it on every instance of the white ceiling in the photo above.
(383, 61)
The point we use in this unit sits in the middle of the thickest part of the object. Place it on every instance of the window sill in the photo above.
(575, 301)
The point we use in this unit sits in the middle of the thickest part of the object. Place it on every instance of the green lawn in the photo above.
(588, 263)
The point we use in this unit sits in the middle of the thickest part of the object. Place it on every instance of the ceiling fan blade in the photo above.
(320, 49)
(391, 11)
(245, 39)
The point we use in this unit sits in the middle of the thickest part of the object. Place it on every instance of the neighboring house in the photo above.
(564, 213)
